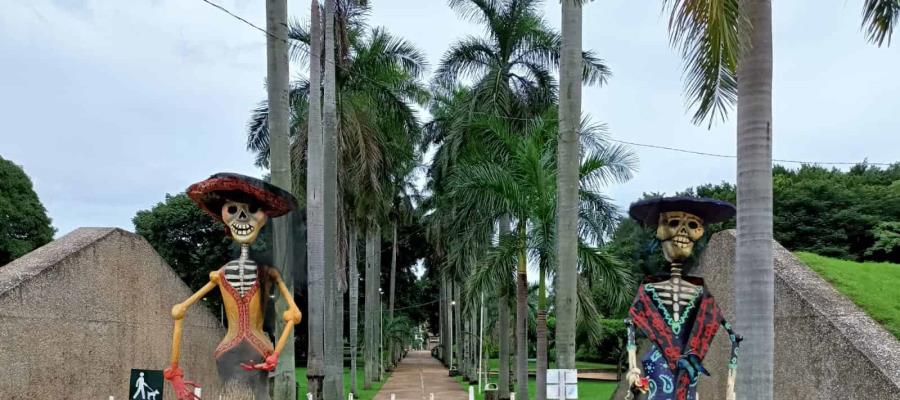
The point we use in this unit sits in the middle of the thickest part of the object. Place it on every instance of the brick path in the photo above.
(417, 377)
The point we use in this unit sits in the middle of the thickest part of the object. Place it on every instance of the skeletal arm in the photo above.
(292, 315)
(180, 309)
(633, 377)
(732, 363)
(182, 388)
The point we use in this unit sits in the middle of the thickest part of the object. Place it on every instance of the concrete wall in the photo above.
(826, 347)
(77, 314)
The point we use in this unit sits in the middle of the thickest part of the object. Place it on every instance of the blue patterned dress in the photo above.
(674, 362)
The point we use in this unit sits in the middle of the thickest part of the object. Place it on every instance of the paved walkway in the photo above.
(417, 377)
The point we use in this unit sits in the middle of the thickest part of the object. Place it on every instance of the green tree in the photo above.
(513, 67)
(517, 177)
(887, 240)
(24, 225)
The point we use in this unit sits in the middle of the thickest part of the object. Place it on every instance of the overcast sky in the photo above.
(109, 105)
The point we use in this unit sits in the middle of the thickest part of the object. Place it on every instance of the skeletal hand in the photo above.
(268, 365)
(635, 380)
(184, 390)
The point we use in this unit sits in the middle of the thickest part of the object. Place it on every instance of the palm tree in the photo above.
(406, 196)
(334, 356)
(315, 187)
(278, 78)
(720, 40)
(353, 281)
(513, 68)
(567, 186)
(522, 184)
(377, 128)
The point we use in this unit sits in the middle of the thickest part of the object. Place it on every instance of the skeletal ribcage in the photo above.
(676, 295)
(241, 276)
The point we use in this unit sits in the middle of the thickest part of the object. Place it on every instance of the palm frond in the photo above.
(880, 17)
(707, 32)
(595, 71)
(469, 57)
(611, 164)
(607, 272)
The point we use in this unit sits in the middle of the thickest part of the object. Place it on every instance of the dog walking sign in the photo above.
(145, 384)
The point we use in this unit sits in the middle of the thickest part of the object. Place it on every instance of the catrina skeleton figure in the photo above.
(246, 355)
(677, 313)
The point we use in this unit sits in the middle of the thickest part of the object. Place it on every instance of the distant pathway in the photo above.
(417, 377)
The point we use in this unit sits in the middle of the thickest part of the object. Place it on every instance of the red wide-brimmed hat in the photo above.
(212, 193)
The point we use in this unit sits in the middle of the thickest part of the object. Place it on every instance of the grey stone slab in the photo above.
(78, 313)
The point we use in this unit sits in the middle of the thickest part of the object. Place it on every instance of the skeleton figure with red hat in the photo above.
(246, 355)
(677, 313)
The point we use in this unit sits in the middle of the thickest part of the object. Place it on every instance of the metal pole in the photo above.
(450, 329)
(481, 344)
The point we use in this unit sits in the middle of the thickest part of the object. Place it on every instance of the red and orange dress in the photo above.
(244, 297)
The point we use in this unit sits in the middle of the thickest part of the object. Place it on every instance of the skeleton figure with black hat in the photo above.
(246, 355)
(677, 313)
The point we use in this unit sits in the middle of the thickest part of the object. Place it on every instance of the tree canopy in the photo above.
(850, 214)
(24, 224)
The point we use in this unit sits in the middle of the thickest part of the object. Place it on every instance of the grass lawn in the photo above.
(361, 394)
(872, 286)
(592, 390)
(495, 363)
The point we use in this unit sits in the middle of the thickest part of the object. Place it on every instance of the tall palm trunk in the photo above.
(442, 312)
(473, 344)
(503, 333)
(315, 202)
(391, 289)
(466, 341)
(754, 268)
(503, 327)
(540, 391)
(354, 305)
(371, 309)
(279, 126)
(457, 328)
(332, 389)
(379, 312)
(567, 183)
(521, 316)
(380, 332)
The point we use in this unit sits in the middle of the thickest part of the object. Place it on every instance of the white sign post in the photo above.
(562, 384)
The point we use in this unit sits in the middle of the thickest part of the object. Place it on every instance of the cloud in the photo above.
(109, 105)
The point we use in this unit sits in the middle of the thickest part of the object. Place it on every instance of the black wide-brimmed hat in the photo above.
(211, 194)
(709, 210)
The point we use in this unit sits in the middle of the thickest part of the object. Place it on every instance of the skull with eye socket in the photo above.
(244, 220)
(678, 231)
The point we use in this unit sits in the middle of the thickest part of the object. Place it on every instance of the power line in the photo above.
(239, 18)
(659, 147)
(734, 156)
(699, 153)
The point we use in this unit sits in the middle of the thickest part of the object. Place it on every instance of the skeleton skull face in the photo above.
(678, 231)
(243, 220)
